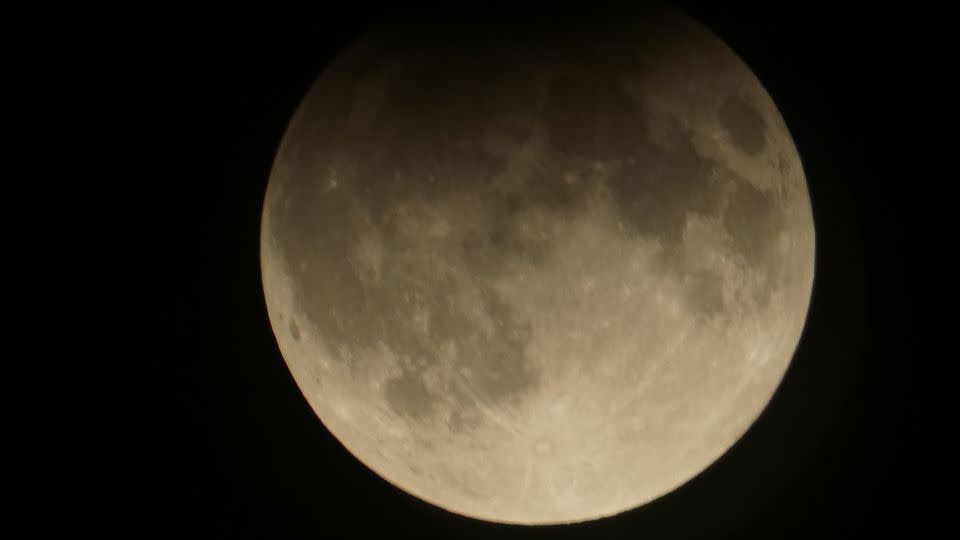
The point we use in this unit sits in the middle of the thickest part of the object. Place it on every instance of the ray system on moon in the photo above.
(538, 279)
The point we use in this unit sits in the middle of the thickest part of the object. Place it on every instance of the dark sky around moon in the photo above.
(178, 417)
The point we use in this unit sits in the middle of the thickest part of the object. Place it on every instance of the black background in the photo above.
(155, 402)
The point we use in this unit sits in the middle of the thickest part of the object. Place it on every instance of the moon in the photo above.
(538, 275)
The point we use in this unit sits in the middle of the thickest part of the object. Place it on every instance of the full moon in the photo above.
(538, 274)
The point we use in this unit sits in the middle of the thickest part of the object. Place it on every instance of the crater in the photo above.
(294, 331)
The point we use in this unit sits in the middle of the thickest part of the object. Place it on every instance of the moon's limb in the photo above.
(540, 285)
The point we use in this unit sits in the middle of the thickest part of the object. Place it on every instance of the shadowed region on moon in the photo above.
(743, 123)
(538, 280)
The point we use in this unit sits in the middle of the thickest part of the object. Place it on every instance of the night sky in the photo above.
(179, 417)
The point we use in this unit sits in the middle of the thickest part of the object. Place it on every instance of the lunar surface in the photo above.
(538, 275)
